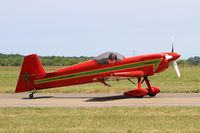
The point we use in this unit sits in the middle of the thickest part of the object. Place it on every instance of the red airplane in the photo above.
(105, 66)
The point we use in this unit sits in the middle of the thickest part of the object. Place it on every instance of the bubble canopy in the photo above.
(101, 59)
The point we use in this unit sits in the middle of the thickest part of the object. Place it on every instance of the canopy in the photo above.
(101, 59)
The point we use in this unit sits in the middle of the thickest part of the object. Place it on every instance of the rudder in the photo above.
(31, 67)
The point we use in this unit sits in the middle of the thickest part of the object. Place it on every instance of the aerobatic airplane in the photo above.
(106, 66)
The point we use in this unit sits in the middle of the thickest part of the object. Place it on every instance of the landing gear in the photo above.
(32, 93)
(152, 91)
(103, 81)
(152, 95)
(140, 92)
(31, 96)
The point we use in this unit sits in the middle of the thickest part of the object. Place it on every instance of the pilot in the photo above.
(116, 57)
(111, 58)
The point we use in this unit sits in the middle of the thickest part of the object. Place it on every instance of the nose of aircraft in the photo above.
(172, 56)
(175, 56)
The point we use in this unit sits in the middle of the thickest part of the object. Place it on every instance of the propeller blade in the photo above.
(176, 69)
(173, 38)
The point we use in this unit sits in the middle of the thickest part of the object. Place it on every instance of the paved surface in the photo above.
(98, 100)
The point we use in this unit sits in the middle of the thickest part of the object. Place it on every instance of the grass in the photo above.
(101, 120)
(167, 81)
(105, 120)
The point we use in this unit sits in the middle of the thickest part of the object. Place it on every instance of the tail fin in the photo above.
(31, 67)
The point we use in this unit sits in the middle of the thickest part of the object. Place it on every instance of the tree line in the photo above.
(194, 61)
(16, 60)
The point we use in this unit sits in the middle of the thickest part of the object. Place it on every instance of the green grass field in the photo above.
(168, 81)
(101, 120)
(105, 120)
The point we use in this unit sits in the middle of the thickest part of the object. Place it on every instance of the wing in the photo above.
(122, 76)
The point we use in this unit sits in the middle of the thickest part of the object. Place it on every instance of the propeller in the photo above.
(176, 69)
(174, 62)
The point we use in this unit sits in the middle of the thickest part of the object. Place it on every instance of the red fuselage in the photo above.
(90, 71)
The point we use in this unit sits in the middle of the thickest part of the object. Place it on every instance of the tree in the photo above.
(194, 60)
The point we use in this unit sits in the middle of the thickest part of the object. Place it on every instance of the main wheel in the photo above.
(152, 95)
(139, 96)
(31, 96)
(138, 92)
(153, 91)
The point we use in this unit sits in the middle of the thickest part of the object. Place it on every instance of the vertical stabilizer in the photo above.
(31, 67)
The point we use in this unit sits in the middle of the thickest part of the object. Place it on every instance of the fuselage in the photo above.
(90, 71)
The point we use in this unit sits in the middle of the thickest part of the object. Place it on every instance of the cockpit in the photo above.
(109, 58)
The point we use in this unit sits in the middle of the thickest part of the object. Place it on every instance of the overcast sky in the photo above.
(90, 27)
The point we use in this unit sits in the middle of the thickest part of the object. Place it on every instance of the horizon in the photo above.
(84, 55)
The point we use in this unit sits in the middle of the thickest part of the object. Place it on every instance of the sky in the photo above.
(91, 27)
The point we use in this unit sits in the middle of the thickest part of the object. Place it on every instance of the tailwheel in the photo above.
(31, 96)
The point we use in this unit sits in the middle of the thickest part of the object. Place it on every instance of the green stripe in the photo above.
(155, 64)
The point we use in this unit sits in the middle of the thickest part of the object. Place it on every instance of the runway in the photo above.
(98, 100)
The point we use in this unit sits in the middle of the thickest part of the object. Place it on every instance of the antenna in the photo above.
(134, 52)
(172, 39)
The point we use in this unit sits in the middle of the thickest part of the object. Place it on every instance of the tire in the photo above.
(152, 95)
(31, 96)
(139, 96)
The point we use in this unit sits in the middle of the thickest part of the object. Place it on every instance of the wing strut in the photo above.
(131, 81)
